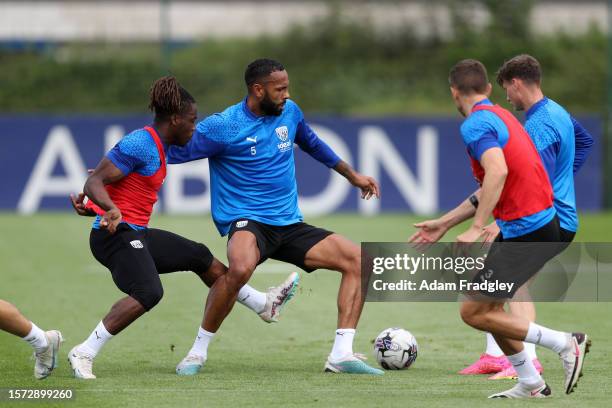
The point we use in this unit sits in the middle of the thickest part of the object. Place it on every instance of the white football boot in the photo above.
(520, 390)
(573, 359)
(190, 365)
(46, 360)
(278, 296)
(81, 364)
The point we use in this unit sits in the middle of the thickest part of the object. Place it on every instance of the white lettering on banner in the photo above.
(112, 135)
(418, 188)
(376, 151)
(175, 199)
(337, 188)
(58, 146)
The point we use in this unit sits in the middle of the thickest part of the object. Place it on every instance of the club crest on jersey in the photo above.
(136, 244)
(282, 133)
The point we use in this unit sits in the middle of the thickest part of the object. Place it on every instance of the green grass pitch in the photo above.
(47, 270)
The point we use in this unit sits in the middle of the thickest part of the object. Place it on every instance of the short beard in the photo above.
(269, 108)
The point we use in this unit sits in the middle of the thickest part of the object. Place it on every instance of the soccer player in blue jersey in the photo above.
(515, 189)
(563, 145)
(254, 196)
(123, 189)
(45, 344)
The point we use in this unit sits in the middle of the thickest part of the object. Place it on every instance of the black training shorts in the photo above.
(287, 243)
(516, 260)
(135, 258)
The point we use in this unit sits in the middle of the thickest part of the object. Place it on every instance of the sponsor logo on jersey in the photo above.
(242, 224)
(136, 244)
(284, 146)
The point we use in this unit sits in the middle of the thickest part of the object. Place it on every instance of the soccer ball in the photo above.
(395, 349)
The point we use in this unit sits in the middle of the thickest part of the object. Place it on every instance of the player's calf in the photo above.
(476, 314)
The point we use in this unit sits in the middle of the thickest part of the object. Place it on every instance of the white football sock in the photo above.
(551, 339)
(526, 371)
(252, 298)
(200, 345)
(530, 348)
(95, 341)
(37, 339)
(343, 344)
(492, 347)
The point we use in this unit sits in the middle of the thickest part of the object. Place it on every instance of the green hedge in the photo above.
(335, 66)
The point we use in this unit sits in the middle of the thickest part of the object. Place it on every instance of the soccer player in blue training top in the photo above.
(255, 201)
(564, 145)
(123, 189)
(45, 344)
(514, 189)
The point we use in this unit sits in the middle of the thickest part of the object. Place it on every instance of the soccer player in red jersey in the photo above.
(122, 191)
(515, 189)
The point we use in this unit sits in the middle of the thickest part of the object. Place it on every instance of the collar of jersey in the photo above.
(485, 101)
(535, 107)
(247, 111)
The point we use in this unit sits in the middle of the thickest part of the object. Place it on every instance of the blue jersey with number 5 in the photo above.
(252, 169)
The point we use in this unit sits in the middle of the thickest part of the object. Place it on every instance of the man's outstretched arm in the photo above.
(309, 142)
(368, 186)
(199, 147)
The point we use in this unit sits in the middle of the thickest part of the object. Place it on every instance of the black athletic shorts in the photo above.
(136, 258)
(516, 260)
(287, 243)
(565, 236)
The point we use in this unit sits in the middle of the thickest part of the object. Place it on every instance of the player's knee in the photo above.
(155, 295)
(202, 260)
(469, 315)
(355, 262)
(351, 263)
(149, 296)
(478, 316)
(213, 272)
(238, 275)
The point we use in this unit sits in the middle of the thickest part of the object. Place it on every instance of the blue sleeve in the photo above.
(309, 142)
(126, 155)
(478, 146)
(549, 155)
(584, 143)
(481, 132)
(200, 146)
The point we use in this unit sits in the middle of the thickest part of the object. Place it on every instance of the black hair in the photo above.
(168, 97)
(261, 68)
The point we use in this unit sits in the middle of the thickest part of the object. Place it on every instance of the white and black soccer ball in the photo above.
(395, 349)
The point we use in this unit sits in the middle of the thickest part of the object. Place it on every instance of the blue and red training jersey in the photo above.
(526, 201)
(141, 157)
